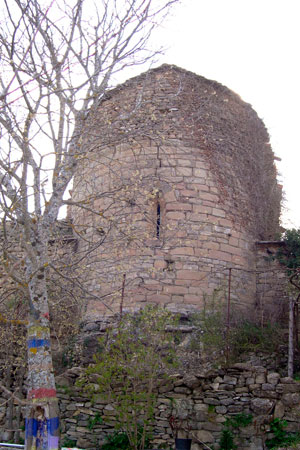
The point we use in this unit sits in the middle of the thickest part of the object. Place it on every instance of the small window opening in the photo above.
(158, 220)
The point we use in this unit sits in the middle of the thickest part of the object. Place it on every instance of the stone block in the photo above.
(279, 410)
(209, 197)
(232, 250)
(184, 171)
(230, 380)
(202, 209)
(273, 378)
(241, 390)
(189, 251)
(177, 206)
(220, 256)
(189, 193)
(200, 173)
(218, 212)
(295, 387)
(190, 275)
(211, 426)
(287, 380)
(205, 436)
(201, 407)
(221, 409)
(160, 264)
(185, 162)
(177, 290)
(267, 387)
(226, 401)
(175, 215)
(291, 399)
(261, 406)
(235, 408)
(211, 401)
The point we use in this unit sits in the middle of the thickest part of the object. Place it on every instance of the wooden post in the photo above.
(228, 315)
(291, 338)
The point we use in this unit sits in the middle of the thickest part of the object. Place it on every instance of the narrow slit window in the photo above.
(158, 220)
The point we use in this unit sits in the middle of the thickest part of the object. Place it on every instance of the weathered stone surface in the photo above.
(260, 378)
(279, 410)
(205, 411)
(191, 164)
(205, 436)
(211, 401)
(267, 387)
(201, 407)
(230, 380)
(286, 380)
(242, 366)
(273, 378)
(221, 409)
(295, 387)
(291, 399)
(191, 382)
(261, 406)
(226, 401)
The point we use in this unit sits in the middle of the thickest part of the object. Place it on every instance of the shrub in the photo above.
(281, 438)
(133, 356)
(243, 336)
(119, 441)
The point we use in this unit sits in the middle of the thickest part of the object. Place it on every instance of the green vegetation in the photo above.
(289, 254)
(95, 420)
(67, 442)
(239, 421)
(119, 441)
(243, 336)
(131, 359)
(227, 440)
(249, 336)
(281, 438)
(234, 423)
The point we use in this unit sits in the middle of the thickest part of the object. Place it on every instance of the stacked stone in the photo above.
(200, 402)
(272, 282)
(177, 181)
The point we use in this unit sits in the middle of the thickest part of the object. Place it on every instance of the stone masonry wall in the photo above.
(272, 284)
(188, 261)
(175, 183)
(204, 401)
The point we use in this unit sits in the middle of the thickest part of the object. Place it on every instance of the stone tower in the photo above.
(178, 183)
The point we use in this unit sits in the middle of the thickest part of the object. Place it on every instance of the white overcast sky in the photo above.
(252, 47)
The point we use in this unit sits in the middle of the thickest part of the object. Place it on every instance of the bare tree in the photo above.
(57, 61)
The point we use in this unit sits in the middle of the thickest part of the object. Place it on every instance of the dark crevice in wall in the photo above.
(158, 219)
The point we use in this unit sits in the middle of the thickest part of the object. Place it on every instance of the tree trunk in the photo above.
(291, 338)
(10, 405)
(42, 421)
(18, 407)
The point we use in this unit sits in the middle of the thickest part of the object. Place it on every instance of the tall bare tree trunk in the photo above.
(42, 423)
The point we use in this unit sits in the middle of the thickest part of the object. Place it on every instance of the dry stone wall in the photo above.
(203, 401)
(200, 401)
